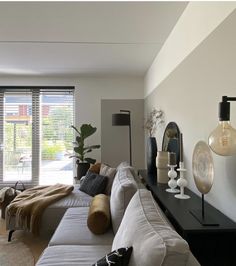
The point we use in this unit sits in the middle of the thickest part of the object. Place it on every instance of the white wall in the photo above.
(190, 95)
(198, 20)
(88, 93)
(115, 139)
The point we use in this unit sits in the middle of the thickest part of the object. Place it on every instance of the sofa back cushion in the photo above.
(144, 228)
(122, 165)
(109, 172)
(123, 189)
(126, 165)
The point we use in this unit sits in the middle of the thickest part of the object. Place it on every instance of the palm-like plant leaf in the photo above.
(75, 129)
(92, 147)
(87, 130)
(78, 139)
(79, 150)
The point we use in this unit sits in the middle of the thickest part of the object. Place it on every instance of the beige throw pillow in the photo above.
(105, 170)
(95, 168)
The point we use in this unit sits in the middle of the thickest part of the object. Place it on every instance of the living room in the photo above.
(134, 64)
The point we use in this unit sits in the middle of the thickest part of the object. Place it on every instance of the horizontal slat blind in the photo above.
(1, 134)
(17, 132)
(35, 136)
(50, 109)
(56, 136)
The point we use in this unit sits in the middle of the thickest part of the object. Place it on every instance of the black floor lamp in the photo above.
(123, 119)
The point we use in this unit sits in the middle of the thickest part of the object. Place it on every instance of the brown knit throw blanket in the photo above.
(29, 205)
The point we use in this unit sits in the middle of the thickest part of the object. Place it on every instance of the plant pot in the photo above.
(151, 155)
(82, 169)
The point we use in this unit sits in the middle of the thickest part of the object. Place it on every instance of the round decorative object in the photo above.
(203, 168)
(172, 174)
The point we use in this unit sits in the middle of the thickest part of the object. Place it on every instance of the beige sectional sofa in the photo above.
(136, 220)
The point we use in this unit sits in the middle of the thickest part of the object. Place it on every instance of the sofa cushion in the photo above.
(144, 228)
(110, 172)
(72, 255)
(95, 168)
(123, 189)
(126, 165)
(118, 257)
(73, 230)
(122, 165)
(93, 184)
(99, 214)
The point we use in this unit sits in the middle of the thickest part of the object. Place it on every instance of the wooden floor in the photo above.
(36, 244)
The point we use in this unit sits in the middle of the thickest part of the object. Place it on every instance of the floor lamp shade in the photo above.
(123, 119)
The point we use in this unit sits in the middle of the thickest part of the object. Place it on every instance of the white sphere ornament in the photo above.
(172, 182)
(182, 182)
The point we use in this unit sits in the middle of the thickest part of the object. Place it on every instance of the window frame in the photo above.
(36, 123)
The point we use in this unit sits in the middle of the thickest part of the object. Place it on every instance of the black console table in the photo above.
(211, 245)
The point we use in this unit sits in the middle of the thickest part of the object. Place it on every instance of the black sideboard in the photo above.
(212, 245)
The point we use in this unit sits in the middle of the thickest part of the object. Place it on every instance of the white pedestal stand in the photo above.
(182, 182)
(172, 182)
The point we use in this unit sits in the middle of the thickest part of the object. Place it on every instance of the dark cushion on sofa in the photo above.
(94, 184)
(119, 257)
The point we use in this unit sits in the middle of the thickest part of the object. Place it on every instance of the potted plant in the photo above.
(83, 162)
(154, 118)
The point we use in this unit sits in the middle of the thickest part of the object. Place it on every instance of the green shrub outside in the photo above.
(50, 151)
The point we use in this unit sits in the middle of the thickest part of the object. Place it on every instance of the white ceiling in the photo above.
(83, 38)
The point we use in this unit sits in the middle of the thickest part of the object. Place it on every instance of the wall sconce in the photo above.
(222, 140)
(123, 119)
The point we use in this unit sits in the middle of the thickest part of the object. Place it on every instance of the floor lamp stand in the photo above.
(124, 119)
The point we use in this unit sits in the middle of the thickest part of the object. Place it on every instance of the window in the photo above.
(35, 135)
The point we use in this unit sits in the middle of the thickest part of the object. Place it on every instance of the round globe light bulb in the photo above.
(222, 140)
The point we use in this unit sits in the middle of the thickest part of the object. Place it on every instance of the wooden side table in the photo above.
(211, 245)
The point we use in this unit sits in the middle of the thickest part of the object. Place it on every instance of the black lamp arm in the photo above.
(125, 111)
(224, 108)
(228, 99)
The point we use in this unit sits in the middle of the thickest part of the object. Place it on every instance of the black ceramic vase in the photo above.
(151, 155)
